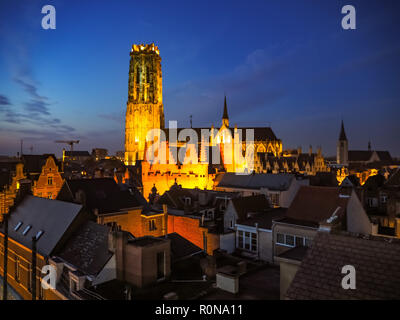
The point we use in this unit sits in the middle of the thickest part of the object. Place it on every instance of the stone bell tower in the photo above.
(144, 109)
(342, 148)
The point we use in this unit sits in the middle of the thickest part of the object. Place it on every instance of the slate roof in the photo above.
(376, 260)
(245, 205)
(174, 197)
(102, 194)
(278, 182)
(374, 182)
(296, 253)
(359, 155)
(365, 155)
(87, 248)
(384, 156)
(7, 166)
(5, 179)
(394, 179)
(264, 219)
(260, 133)
(33, 163)
(351, 180)
(313, 205)
(52, 216)
(145, 241)
(180, 247)
(77, 153)
(324, 179)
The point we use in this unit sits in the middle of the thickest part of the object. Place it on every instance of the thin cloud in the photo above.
(37, 106)
(31, 89)
(4, 101)
(117, 117)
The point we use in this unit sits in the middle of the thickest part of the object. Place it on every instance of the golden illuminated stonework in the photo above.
(145, 109)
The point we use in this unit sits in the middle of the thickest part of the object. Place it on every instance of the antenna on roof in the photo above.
(191, 121)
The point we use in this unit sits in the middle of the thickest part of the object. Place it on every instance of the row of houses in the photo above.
(94, 259)
(40, 173)
(45, 175)
(111, 243)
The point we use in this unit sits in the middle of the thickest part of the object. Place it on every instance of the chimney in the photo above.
(196, 206)
(205, 241)
(23, 190)
(310, 150)
(111, 240)
(165, 220)
(116, 244)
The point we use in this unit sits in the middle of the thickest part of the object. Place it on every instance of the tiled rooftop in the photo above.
(376, 261)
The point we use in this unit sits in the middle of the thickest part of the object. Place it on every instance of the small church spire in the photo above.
(342, 136)
(225, 118)
(342, 149)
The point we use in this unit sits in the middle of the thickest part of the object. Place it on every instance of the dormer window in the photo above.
(39, 234)
(26, 230)
(19, 224)
(188, 201)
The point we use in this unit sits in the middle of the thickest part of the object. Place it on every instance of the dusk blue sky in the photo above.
(284, 64)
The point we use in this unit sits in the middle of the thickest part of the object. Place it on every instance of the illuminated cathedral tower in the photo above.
(144, 109)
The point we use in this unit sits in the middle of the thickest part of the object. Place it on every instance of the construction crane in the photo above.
(70, 142)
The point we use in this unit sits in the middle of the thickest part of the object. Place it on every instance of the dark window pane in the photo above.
(289, 240)
(299, 241)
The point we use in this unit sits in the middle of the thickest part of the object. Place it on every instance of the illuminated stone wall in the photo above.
(137, 223)
(145, 106)
(163, 177)
(190, 229)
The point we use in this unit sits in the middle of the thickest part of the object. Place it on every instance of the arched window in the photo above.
(137, 74)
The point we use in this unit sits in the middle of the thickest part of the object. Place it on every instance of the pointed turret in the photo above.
(225, 118)
(342, 136)
(342, 149)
